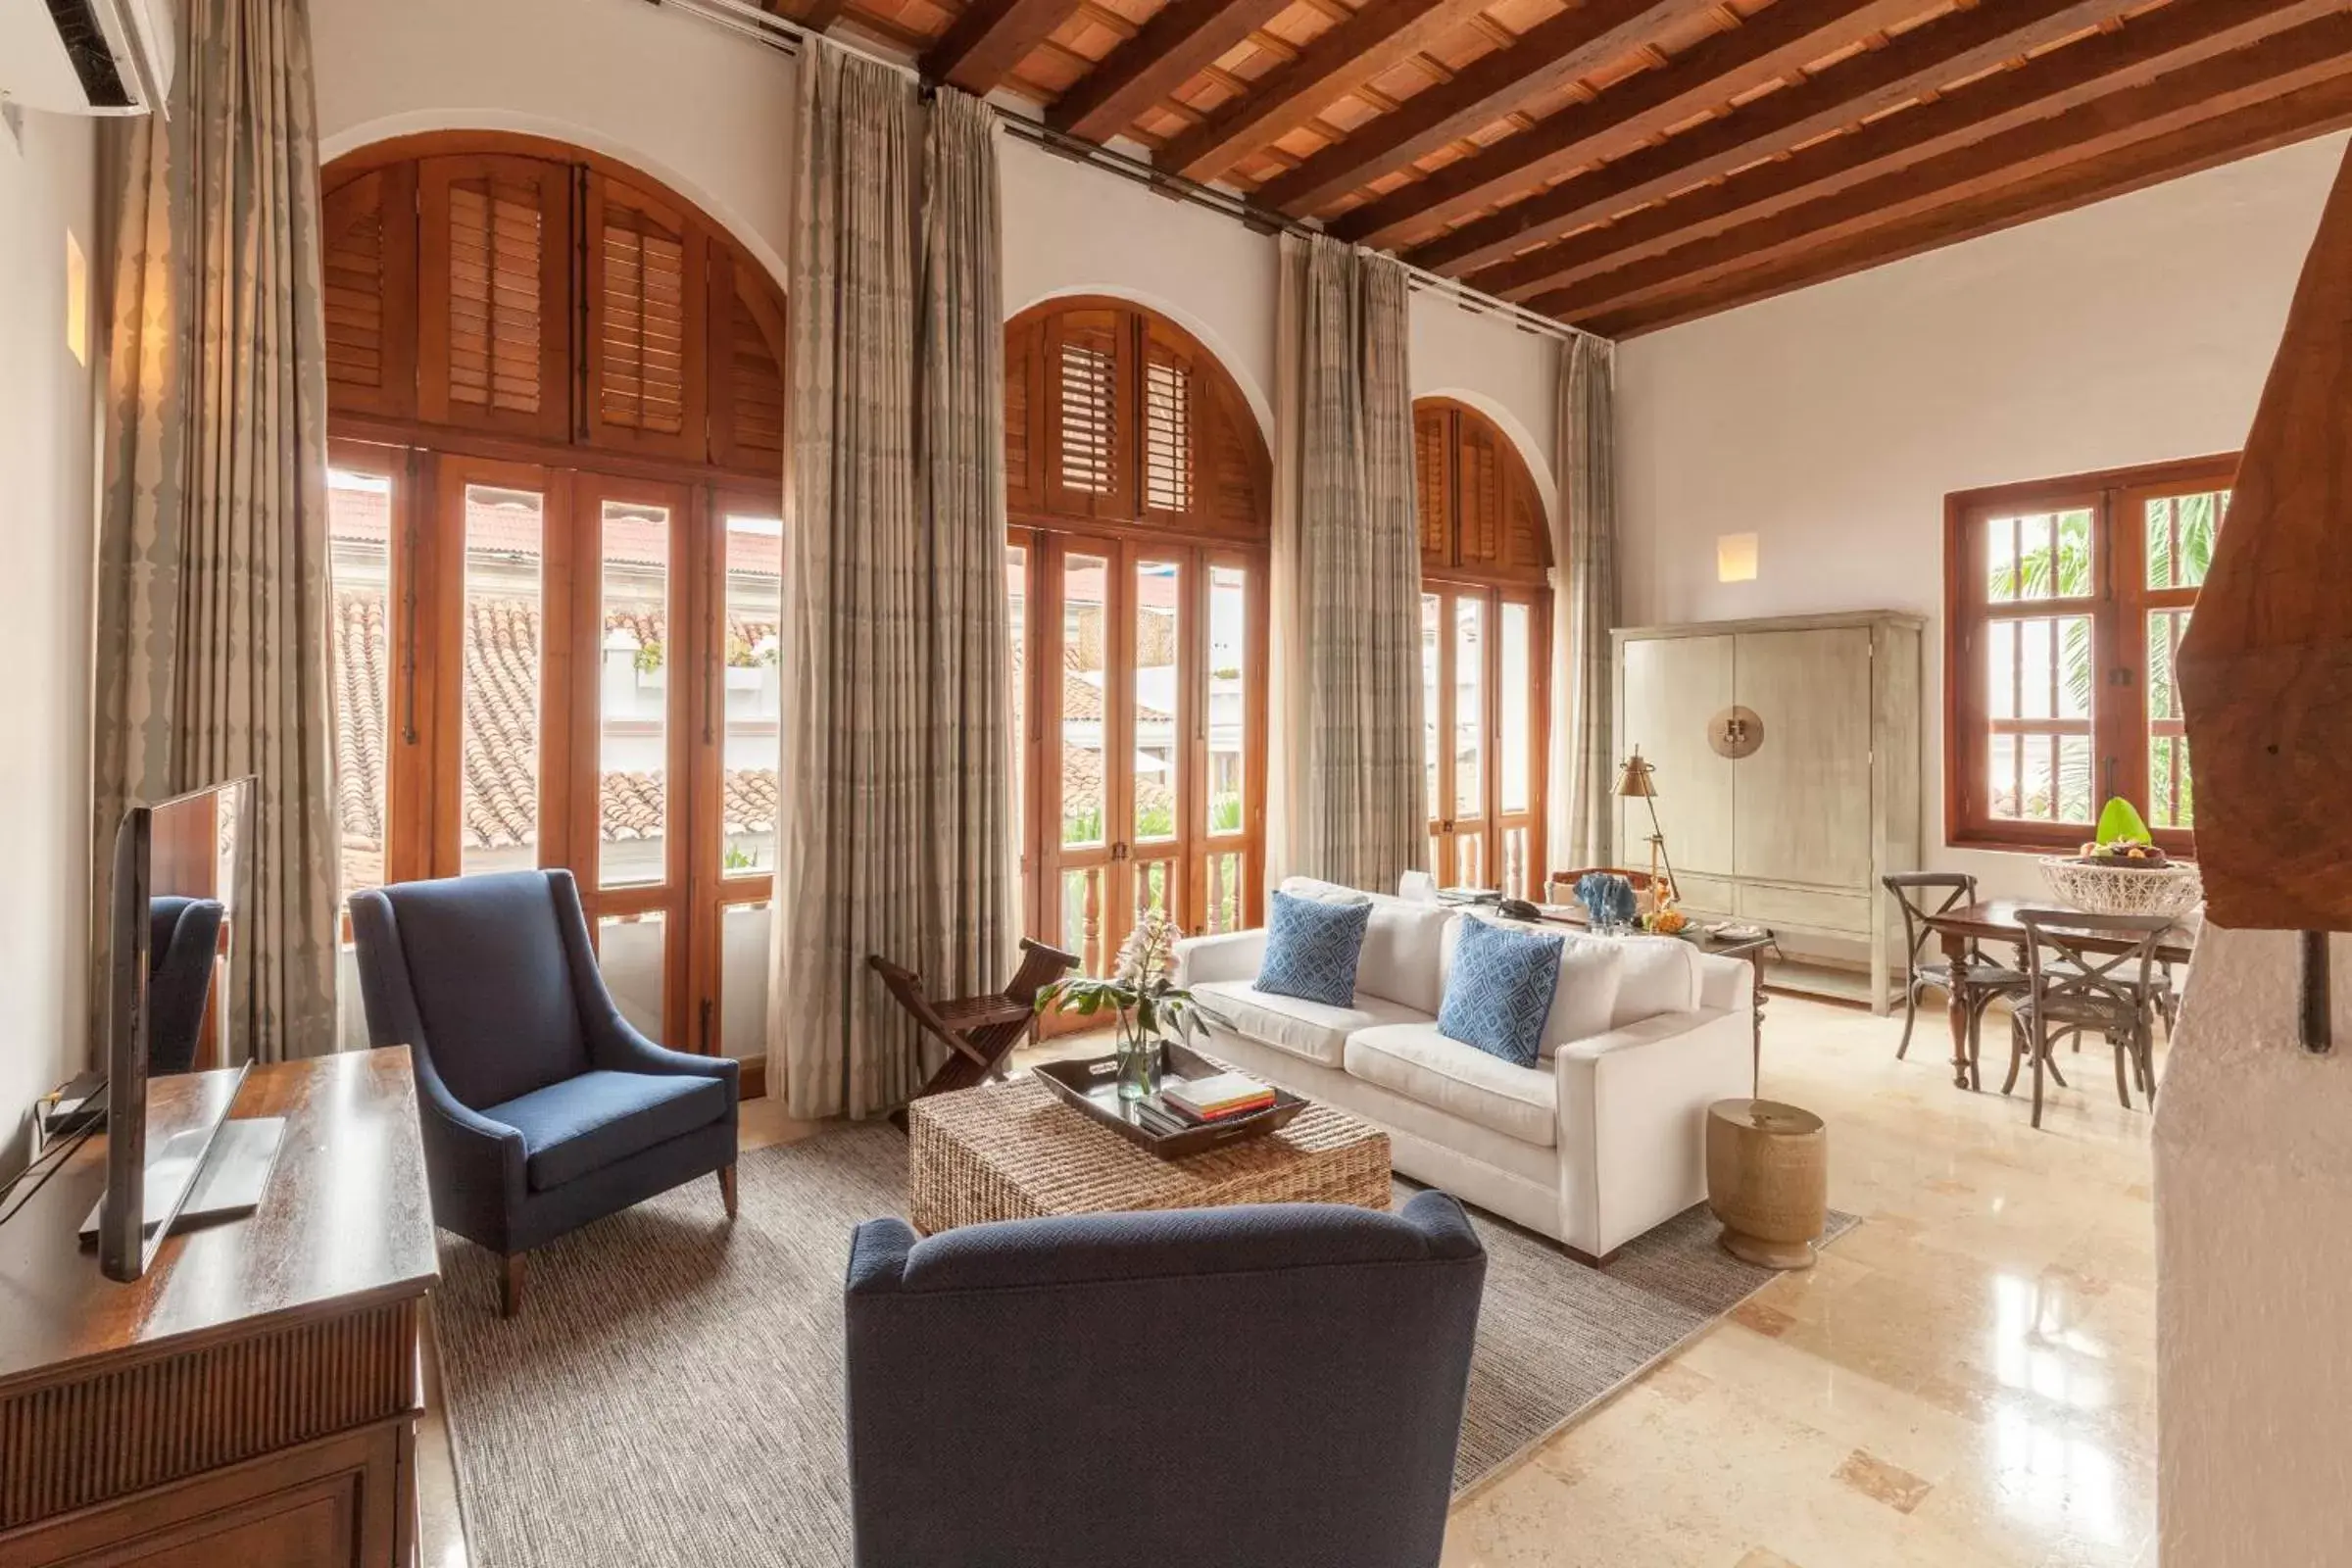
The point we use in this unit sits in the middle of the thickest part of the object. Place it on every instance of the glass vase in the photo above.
(1139, 1061)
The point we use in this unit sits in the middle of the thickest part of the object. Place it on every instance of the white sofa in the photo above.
(1601, 1140)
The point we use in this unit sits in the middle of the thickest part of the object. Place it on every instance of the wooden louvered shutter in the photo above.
(747, 359)
(1090, 404)
(645, 372)
(1433, 475)
(1239, 503)
(1526, 535)
(1478, 494)
(494, 293)
(368, 228)
(1025, 441)
(1172, 415)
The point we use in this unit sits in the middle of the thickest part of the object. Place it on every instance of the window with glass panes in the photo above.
(1139, 490)
(2064, 604)
(1485, 622)
(555, 398)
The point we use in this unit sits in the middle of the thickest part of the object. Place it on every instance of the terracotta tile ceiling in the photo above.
(1626, 164)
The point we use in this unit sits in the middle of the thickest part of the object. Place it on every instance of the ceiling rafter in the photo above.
(1180, 40)
(1549, 55)
(2279, 121)
(1957, 45)
(989, 37)
(2315, 54)
(1370, 42)
(2166, 39)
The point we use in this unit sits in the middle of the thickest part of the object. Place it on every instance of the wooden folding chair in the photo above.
(979, 1032)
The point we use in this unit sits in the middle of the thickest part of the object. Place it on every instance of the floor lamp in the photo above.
(1638, 781)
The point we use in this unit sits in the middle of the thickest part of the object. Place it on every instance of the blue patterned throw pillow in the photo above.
(1500, 991)
(1311, 948)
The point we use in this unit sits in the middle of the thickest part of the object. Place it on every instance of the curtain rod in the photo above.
(784, 36)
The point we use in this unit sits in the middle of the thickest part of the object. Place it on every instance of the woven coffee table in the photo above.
(1012, 1150)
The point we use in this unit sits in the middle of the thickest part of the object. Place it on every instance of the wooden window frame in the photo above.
(1052, 521)
(431, 452)
(2118, 606)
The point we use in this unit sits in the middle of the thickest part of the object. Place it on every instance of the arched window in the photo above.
(556, 392)
(1140, 493)
(1486, 649)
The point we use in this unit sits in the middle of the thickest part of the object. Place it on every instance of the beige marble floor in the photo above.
(1968, 1378)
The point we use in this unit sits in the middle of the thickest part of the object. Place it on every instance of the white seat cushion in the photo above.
(1416, 1061)
(1584, 998)
(1309, 1030)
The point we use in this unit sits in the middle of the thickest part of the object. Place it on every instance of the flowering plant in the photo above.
(1142, 992)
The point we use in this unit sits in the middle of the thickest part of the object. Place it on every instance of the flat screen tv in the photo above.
(168, 856)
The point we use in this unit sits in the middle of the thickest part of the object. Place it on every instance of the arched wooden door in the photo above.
(555, 393)
(1486, 649)
(1140, 493)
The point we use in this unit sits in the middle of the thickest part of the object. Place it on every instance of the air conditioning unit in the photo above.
(88, 57)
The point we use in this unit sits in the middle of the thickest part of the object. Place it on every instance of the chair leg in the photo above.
(2017, 1050)
(2128, 1045)
(726, 1188)
(1910, 1016)
(2041, 1060)
(509, 1287)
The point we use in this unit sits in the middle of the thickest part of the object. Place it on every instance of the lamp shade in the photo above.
(1637, 780)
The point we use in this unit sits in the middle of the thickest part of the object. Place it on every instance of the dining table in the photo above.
(1995, 921)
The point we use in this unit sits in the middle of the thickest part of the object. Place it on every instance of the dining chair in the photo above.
(1923, 895)
(2074, 983)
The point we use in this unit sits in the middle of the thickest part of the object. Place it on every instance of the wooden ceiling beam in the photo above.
(1774, 43)
(2280, 123)
(1549, 55)
(2177, 35)
(989, 37)
(1954, 46)
(1382, 35)
(1180, 40)
(2103, 142)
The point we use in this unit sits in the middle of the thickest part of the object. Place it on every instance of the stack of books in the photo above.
(1219, 1099)
(1183, 1104)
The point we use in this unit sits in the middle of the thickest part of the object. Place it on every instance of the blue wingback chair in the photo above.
(1276, 1386)
(542, 1108)
(183, 937)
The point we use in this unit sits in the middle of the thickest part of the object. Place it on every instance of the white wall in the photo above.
(1833, 421)
(1505, 371)
(47, 533)
(705, 112)
(2253, 1243)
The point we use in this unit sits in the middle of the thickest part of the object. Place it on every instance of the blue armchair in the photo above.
(542, 1108)
(1275, 1387)
(183, 936)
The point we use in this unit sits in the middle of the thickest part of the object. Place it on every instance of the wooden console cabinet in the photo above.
(1788, 757)
(252, 1402)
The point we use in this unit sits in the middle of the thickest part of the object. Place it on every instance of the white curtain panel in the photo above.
(212, 581)
(1582, 824)
(895, 831)
(1347, 782)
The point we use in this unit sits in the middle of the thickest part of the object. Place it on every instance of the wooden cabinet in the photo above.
(1787, 769)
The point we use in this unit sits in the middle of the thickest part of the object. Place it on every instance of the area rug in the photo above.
(670, 1397)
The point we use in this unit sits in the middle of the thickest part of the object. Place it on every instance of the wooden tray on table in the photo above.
(1091, 1087)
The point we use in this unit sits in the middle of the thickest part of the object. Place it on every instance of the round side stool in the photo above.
(1768, 1180)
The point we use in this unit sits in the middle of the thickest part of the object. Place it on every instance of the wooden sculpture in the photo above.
(2266, 670)
(979, 1032)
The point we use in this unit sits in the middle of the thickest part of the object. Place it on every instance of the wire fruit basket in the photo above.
(2167, 890)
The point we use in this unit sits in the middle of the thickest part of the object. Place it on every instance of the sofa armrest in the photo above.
(474, 1166)
(1726, 983)
(1632, 1110)
(619, 1046)
(1233, 956)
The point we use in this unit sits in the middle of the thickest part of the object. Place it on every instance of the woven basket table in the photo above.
(1012, 1150)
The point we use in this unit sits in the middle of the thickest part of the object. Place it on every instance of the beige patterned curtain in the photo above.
(1348, 786)
(212, 587)
(893, 818)
(1582, 827)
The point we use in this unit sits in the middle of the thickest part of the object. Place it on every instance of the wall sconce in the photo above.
(77, 300)
(1736, 558)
